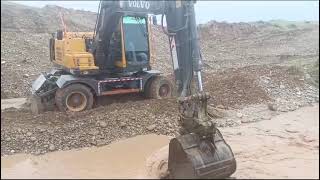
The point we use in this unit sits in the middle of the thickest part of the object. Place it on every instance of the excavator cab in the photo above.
(128, 47)
(131, 43)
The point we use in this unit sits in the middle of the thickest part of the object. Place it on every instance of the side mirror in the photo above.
(154, 20)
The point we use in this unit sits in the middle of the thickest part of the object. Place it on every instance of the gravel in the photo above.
(247, 70)
(130, 115)
(24, 44)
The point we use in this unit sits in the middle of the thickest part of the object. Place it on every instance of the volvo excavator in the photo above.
(115, 59)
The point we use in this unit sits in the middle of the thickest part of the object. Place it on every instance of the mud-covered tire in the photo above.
(158, 88)
(63, 95)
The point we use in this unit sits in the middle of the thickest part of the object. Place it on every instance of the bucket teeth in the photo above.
(200, 152)
(191, 157)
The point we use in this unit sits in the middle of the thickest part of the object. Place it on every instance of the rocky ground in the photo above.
(237, 98)
(252, 70)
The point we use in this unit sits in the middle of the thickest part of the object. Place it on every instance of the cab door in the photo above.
(135, 42)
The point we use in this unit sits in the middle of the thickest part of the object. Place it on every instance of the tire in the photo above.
(147, 87)
(158, 88)
(74, 98)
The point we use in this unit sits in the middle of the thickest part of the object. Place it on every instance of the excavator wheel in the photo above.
(158, 88)
(74, 98)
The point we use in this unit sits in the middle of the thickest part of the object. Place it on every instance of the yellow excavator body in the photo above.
(70, 51)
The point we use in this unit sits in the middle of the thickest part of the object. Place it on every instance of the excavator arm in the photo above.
(200, 151)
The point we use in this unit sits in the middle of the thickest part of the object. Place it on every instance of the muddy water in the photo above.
(123, 159)
(287, 146)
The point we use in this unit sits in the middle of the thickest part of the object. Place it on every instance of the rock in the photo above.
(215, 112)
(291, 130)
(101, 143)
(282, 86)
(291, 108)
(220, 106)
(102, 124)
(38, 152)
(94, 132)
(122, 124)
(230, 122)
(3, 62)
(8, 139)
(246, 120)
(25, 75)
(266, 117)
(52, 147)
(33, 138)
(29, 133)
(308, 139)
(284, 109)
(307, 76)
(237, 122)
(151, 127)
(93, 142)
(272, 107)
(239, 115)
(12, 151)
(266, 81)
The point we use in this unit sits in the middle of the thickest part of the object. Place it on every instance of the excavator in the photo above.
(115, 59)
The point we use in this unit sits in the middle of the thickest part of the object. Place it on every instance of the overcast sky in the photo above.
(231, 11)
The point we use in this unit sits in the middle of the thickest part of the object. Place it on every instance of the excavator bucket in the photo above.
(193, 158)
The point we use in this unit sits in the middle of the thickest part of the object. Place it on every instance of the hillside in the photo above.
(25, 32)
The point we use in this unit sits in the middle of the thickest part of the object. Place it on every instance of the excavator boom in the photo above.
(200, 151)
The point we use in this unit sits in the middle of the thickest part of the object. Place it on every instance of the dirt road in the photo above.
(287, 146)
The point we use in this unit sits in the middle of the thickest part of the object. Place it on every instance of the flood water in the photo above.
(287, 146)
(123, 159)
